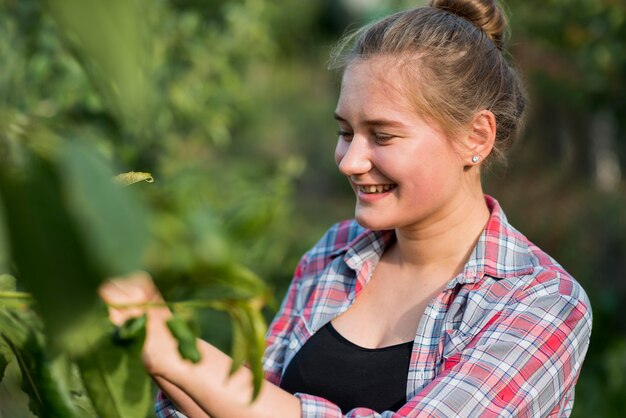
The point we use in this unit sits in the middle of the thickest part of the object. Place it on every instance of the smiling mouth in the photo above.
(378, 188)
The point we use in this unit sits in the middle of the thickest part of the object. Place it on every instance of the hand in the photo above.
(136, 295)
(126, 295)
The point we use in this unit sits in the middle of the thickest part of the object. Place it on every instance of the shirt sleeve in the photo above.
(164, 408)
(280, 329)
(524, 362)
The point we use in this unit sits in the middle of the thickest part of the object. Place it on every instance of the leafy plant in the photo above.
(68, 223)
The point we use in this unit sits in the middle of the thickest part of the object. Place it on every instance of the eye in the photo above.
(382, 138)
(345, 135)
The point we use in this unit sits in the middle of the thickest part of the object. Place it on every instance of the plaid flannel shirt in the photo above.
(506, 337)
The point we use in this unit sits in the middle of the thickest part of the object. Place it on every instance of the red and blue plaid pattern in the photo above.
(506, 337)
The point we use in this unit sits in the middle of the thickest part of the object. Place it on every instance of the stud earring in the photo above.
(475, 159)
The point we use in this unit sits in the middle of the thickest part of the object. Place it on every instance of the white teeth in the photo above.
(379, 188)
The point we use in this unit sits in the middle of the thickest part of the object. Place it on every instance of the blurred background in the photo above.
(228, 104)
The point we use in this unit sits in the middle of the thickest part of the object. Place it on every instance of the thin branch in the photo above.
(193, 303)
(16, 295)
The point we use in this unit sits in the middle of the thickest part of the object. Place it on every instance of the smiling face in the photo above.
(404, 170)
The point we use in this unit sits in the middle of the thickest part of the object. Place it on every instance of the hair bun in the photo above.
(485, 14)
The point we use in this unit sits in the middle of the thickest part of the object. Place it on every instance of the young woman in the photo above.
(428, 303)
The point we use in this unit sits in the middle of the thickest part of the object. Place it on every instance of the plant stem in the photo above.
(183, 304)
(197, 303)
(16, 295)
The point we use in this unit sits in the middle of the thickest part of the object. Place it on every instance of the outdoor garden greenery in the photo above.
(223, 109)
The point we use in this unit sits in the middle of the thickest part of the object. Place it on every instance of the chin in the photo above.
(373, 224)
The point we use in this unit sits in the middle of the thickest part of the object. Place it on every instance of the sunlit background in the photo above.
(228, 104)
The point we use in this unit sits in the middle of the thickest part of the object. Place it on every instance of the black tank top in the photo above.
(330, 366)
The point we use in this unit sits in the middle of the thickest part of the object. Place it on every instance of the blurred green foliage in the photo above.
(90, 93)
(230, 111)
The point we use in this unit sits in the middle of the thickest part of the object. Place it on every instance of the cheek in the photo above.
(438, 177)
(427, 171)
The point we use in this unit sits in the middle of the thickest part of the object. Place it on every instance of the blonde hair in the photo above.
(452, 51)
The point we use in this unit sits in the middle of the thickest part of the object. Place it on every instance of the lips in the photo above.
(375, 188)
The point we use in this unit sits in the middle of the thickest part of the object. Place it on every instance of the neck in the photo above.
(442, 244)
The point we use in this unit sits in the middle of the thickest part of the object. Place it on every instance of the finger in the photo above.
(137, 288)
(141, 281)
(120, 293)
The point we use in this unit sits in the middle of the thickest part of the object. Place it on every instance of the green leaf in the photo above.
(238, 345)
(4, 248)
(186, 338)
(248, 340)
(131, 329)
(39, 380)
(251, 216)
(256, 345)
(71, 383)
(5, 357)
(7, 283)
(227, 281)
(111, 40)
(132, 177)
(9, 296)
(46, 246)
(111, 220)
(114, 377)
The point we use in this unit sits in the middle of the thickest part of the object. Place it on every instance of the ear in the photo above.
(481, 136)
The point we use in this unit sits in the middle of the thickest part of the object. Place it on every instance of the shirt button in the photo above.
(293, 344)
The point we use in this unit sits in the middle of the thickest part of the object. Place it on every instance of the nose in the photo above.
(353, 157)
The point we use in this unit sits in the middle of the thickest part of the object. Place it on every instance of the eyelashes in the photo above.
(345, 135)
(382, 138)
(379, 138)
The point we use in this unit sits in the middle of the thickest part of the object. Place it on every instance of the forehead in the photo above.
(375, 85)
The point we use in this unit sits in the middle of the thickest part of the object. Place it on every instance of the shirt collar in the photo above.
(501, 251)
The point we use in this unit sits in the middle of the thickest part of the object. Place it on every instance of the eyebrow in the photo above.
(374, 122)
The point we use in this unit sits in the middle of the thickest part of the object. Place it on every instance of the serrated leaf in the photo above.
(248, 321)
(248, 326)
(187, 344)
(238, 344)
(39, 381)
(256, 344)
(5, 357)
(71, 383)
(115, 379)
(132, 177)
